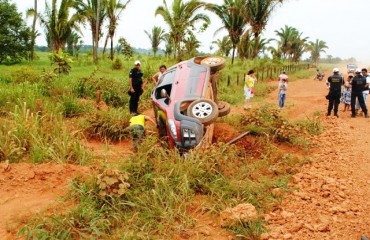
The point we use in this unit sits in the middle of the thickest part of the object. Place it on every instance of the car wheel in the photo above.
(206, 111)
(215, 63)
(223, 108)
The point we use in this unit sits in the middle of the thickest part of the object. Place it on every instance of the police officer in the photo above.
(136, 89)
(358, 85)
(334, 83)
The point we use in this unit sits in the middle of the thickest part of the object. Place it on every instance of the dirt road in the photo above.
(332, 200)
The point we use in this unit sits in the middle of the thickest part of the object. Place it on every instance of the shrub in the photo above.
(108, 125)
(25, 74)
(117, 64)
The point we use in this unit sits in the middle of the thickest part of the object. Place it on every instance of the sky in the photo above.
(342, 24)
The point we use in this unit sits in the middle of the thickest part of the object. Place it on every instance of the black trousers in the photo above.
(333, 102)
(361, 101)
(134, 101)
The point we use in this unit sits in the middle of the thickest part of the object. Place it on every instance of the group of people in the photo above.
(354, 94)
(138, 120)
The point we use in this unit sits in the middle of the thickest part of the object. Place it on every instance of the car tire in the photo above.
(223, 108)
(216, 63)
(205, 110)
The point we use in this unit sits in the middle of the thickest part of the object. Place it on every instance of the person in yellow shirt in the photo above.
(248, 86)
(137, 128)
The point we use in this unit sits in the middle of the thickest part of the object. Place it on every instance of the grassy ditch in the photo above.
(151, 194)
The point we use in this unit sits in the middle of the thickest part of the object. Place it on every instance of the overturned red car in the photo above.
(185, 102)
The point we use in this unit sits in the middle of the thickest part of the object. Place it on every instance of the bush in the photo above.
(25, 74)
(117, 64)
(108, 125)
(114, 92)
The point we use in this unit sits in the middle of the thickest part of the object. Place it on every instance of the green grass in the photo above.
(163, 184)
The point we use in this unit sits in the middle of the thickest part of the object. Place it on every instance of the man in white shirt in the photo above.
(366, 91)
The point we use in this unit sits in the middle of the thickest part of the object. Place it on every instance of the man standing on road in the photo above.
(366, 90)
(334, 84)
(283, 76)
(358, 84)
(136, 89)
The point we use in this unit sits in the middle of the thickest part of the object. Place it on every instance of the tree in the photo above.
(94, 11)
(125, 48)
(14, 35)
(114, 10)
(316, 48)
(156, 37)
(191, 44)
(34, 34)
(291, 44)
(258, 14)
(74, 44)
(181, 18)
(233, 16)
(224, 46)
(58, 23)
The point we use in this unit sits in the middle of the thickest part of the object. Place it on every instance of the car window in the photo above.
(165, 84)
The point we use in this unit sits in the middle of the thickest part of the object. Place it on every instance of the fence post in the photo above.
(39, 106)
(237, 80)
(228, 80)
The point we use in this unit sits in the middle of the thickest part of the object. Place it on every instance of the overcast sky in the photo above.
(342, 24)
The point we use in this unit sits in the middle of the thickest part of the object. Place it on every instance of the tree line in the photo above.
(243, 20)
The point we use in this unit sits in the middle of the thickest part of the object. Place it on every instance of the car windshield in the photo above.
(351, 66)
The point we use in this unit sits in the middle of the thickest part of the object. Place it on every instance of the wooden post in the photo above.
(228, 80)
(237, 80)
(39, 106)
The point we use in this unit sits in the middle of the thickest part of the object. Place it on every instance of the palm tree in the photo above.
(233, 16)
(34, 34)
(180, 18)
(291, 44)
(156, 37)
(224, 46)
(94, 11)
(114, 10)
(191, 45)
(58, 23)
(245, 45)
(258, 14)
(316, 48)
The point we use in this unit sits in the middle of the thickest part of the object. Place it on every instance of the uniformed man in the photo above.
(334, 84)
(358, 85)
(136, 89)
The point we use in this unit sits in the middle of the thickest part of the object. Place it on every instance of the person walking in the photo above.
(358, 84)
(158, 75)
(334, 84)
(248, 85)
(283, 85)
(136, 87)
(137, 128)
(283, 76)
(346, 94)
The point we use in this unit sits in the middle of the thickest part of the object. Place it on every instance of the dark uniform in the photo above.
(358, 85)
(137, 82)
(336, 81)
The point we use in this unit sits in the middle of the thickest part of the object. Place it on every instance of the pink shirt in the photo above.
(283, 76)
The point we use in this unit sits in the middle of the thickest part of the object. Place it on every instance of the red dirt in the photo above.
(331, 200)
(28, 189)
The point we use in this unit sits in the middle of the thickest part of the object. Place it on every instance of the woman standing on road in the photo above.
(248, 85)
(346, 94)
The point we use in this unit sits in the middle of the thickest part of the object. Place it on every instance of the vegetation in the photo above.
(14, 35)
(154, 193)
(180, 18)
